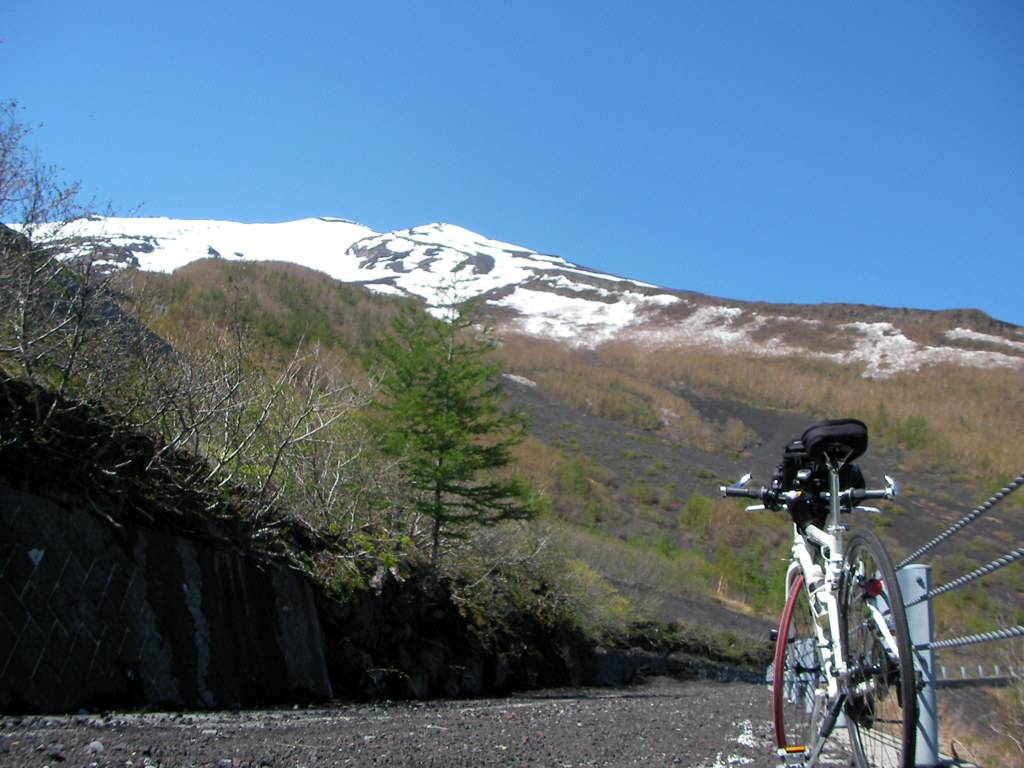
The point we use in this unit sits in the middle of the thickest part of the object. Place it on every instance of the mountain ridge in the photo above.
(545, 296)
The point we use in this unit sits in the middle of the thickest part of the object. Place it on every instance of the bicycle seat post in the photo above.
(834, 526)
(834, 499)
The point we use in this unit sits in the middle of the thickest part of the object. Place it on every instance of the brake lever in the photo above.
(741, 482)
(892, 485)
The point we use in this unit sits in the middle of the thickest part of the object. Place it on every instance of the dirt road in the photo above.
(662, 722)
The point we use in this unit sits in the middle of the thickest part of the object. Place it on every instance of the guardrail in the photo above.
(986, 676)
(918, 594)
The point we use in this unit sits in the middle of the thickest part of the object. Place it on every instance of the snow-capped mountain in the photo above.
(540, 294)
(546, 296)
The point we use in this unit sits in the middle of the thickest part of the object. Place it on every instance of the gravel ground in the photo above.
(661, 722)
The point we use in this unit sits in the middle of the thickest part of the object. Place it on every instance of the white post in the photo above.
(916, 580)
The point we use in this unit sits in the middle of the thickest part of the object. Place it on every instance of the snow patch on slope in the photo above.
(886, 350)
(713, 326)
(881, 347)
(969, 335)
(582, 322)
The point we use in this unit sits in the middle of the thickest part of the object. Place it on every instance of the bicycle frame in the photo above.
(821, 582)
(822, 578)
(842, 650)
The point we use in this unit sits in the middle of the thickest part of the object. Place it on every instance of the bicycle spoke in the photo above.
(881, 708)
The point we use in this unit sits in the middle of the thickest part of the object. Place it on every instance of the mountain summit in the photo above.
(542, 295)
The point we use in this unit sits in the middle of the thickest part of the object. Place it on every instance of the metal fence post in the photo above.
(916, 580)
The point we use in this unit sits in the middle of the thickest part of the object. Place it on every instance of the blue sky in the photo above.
(867, 152)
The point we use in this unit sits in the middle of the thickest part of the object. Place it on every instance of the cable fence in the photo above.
(919, 596)
(967, 519)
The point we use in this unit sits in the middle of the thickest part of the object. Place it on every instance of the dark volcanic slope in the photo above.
(929, 501)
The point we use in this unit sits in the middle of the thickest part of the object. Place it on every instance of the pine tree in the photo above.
(439, 408)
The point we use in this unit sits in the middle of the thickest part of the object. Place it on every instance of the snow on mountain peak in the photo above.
(535, 293)
(164, 245)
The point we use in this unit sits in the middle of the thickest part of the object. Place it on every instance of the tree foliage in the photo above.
(31, 192)
(282, 431)
(439, 408)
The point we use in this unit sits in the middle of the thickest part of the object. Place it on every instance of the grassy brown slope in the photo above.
(631, 444)
(282, 305)
(951, 435)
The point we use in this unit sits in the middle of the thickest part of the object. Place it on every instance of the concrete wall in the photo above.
(93, 614)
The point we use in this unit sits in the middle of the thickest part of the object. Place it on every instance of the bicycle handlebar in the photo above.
(774, 499)
(750, 493)
(857, 495)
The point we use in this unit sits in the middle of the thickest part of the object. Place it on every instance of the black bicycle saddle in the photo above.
(836, 440)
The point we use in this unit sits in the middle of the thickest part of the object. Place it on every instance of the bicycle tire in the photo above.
(881, 707)
(797, 710)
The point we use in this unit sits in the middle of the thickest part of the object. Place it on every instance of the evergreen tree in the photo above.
(438, 408)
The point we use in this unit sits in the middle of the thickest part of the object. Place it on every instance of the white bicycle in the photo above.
(844, 686)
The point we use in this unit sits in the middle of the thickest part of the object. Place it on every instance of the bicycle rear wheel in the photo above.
(798, 675)
(881, 709)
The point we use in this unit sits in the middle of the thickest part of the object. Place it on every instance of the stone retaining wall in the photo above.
(97, 614)
(94, 614)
